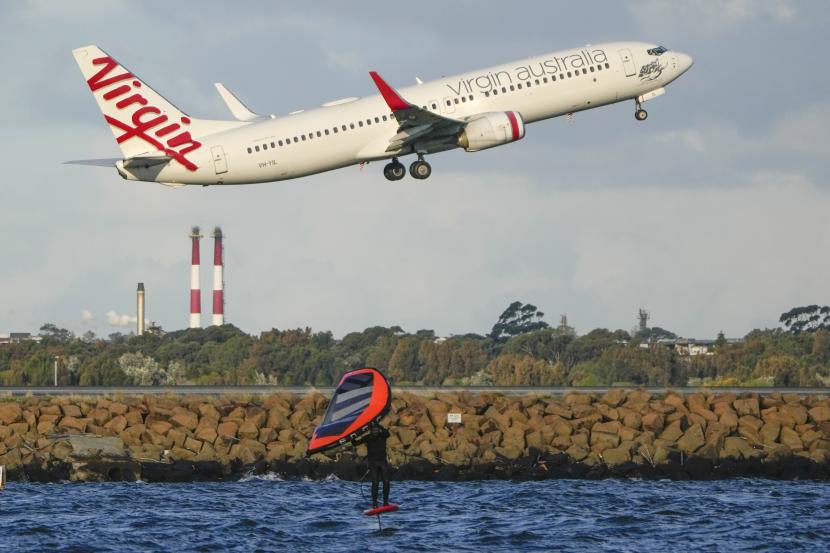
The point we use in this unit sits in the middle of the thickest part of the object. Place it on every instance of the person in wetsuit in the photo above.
(378, 464)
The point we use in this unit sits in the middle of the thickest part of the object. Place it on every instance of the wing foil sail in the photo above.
(362, 397)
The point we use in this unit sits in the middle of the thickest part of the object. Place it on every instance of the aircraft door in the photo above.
(448, 105)
(219, 161)
(628, 62)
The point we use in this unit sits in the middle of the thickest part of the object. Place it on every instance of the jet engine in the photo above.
(491, 129)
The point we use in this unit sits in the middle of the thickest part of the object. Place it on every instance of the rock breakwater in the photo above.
(620, 433)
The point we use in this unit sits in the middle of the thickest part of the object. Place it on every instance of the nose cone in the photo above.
(684, 62)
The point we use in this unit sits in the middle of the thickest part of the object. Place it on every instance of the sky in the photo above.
(712, 214)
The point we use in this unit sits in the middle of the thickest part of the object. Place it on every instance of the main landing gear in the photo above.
(419, 169)
(640, 114)
(394, 170)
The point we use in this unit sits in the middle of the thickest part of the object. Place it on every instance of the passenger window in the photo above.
(326, 131)
(256, 148)
(607, 66)
(249, 150)
(449, 103)
(351, 125)
(599, 68)
(456, 100)
(471, 97)
(265, 146)
(384, 118)
(519, 86)
(512, 88)
(592, 69)
(302, 136)
(434, 106)
(486, 93)
(584, 71)
(527, 84)
(503, 90)
(569, 74)
(377, 119)
(545, 80)
(464, 99)
(334, 129)
(280, 142)
(344, 127)
(319, 134)
(552, 78)
(360, 123)
(537, 82)
(296, 140)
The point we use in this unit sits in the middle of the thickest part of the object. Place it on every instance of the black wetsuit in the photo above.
(378, 465)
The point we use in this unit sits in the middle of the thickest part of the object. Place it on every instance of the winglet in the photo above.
(393, 99)
(235, 105)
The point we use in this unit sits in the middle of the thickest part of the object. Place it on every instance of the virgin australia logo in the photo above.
(651, 71)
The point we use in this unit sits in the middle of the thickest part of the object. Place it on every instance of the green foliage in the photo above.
(517, 319)
(536, 356)
(806, 319)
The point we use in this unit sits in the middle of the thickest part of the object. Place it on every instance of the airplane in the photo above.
(473, 111)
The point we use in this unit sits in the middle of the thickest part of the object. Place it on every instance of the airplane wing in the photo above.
(415, 123)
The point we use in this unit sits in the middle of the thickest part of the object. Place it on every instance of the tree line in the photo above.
(522, 349)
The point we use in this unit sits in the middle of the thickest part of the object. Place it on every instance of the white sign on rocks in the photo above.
(454, 418)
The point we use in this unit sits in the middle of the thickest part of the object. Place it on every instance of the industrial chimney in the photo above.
(218, 279)
(195, 286)
(139, 299)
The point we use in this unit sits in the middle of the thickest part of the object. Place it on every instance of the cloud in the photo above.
(114, 319)
(87, 316)
(713, 16)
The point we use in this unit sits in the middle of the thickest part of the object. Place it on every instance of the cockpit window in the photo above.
(660, 50)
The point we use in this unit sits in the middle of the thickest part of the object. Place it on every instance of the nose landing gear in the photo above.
(394, 170)
(640, 114)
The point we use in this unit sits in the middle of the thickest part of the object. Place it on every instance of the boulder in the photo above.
(192, 444)
(10, 413)
(208, 410)
(554, 408)
(790, 438)
(228, 429)
(692, 440)
(672, 432)
(160, 427)
(117, 408)
(602, 440)
(653, 422)
(71, 410)
(71, 424)
(769, 432)
(99, 416)
(178, 453)
(267, 435)
(794, 410)
(616, 456)
(810, 436)
(820, 413)
(750, 421)
(134, 417)
(578, 399)
(614, 397)
(44, 410)
(185, 419)
(576, 453)
(633, 419)
(248, 430)
(177, 436)
(729, 419)
(736, 448)
(117, 424)
(277, 419)
(206, 434)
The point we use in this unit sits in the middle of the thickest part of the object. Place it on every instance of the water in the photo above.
(268, 514)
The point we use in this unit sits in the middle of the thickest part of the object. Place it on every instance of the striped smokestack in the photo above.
(218, 279)
(195, 287)
(139, 299)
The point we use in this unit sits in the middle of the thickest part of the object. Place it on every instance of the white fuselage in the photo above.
(314, 141)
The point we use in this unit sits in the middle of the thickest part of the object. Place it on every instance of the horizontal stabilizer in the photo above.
(108, 162)
(129, 163)
(238, 109)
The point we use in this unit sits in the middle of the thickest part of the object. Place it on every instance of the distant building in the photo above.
(689, 346)
(17, 337)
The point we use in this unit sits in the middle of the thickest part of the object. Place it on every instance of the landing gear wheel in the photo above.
(394, 170)
(420, 169)
(640, 114)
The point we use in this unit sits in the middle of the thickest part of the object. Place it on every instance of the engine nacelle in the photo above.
(491, 129)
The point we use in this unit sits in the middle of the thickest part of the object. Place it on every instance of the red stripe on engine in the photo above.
(514, 124)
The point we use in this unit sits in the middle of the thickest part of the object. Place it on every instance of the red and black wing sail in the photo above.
(363, 396)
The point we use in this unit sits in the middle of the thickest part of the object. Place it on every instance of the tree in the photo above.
(654, 334)
(52, 333)
(806, 319)
(517, 319)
